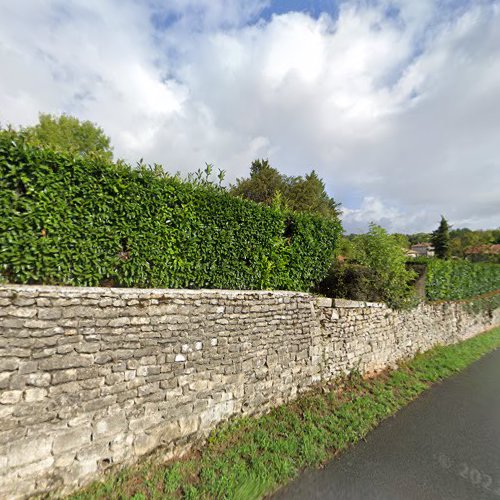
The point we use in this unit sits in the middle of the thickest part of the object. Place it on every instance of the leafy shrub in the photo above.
(378, 274)
(493, 258)
(351, 281)
(460, 279)
(73, 220)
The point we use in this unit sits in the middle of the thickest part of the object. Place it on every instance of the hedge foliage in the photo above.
(65, 219)
(460, 279)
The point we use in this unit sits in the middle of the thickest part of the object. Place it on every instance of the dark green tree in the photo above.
(441, 240)
(308, 194)
(262, 185)
(418, 238)
(67, 133)
(303, 194)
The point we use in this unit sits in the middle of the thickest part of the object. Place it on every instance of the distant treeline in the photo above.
(460, 239)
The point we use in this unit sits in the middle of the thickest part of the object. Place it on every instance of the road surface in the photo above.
(444, 445)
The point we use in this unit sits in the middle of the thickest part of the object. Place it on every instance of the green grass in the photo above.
(251, 457)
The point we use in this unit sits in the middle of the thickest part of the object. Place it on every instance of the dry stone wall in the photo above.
(94, 377)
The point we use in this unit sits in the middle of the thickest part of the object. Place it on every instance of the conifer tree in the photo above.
(441, 240)
(302, 193)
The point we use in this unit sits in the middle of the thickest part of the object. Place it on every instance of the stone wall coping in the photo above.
(323, 302)
(144, 292)
(62, 291)
(345, 303)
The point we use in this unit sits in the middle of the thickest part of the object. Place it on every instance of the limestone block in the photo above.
(4, 379)
(216, 413)
(35, 469)
(10, 397)
(64, 460)
(37, 394)
(323, 302)
(63, 362)
(9, 364)
(335, 315)
(27, 451)
(345, 303)
(72, 439)
(144, 422)
(109, 426)
(49, 313)
(144, 443)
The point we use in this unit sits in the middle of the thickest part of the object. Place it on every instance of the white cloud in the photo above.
(392, 218)
(399, 110)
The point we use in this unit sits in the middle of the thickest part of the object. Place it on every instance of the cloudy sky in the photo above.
(396, 104)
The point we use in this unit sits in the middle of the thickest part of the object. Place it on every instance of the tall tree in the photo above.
(305, 194)
(441, 240)
(308, 194)
(67, 133)
(262, 185)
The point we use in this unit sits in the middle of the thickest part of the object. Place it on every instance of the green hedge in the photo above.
(460, 279)
(70, 220)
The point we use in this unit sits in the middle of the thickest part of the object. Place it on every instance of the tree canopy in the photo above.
(462, 239)
(67, 133)
(373, 269)
(441, 240)
(304, 194)
(383, 254)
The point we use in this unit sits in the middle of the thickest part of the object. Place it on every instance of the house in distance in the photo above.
(421, 250)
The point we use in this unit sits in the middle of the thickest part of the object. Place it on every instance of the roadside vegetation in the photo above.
(71, 215)
(371, 267)
(460, 279)
(374, 267)
(251, 457)
(69, 218)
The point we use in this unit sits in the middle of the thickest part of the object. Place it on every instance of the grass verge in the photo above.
(251, 457)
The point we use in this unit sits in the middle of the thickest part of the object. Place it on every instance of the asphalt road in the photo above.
(444, 445)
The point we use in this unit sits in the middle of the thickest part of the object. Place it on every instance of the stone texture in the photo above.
(96, 376)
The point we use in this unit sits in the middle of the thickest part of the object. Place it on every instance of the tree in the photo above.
(461, 239)
(418, 238)
(402, 240)
(262, 185)
(375, 271)
(304, 194)
(308, 194)
(345, 249)
(441, 240)
(67, 133)
(382, 253)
